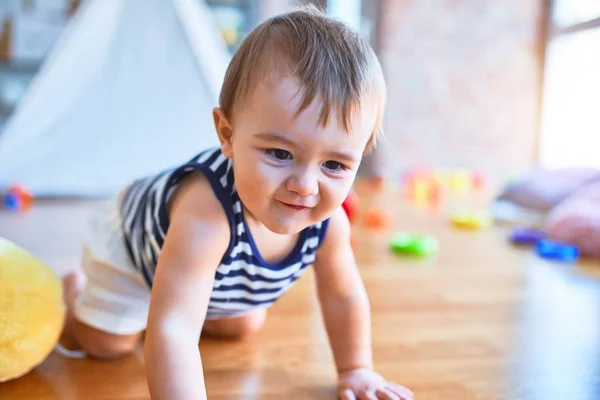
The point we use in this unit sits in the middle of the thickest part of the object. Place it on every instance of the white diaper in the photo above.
(116, 298)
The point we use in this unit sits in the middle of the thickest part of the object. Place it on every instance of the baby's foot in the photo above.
(73, 284)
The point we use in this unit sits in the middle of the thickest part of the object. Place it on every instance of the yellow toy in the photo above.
(32, 311)
(467, 219)
(461, 181)
(421, 190)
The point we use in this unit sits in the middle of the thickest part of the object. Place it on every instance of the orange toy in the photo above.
(377, 218)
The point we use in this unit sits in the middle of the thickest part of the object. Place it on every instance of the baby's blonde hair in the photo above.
(331, 61)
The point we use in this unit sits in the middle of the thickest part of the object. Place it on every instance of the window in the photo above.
(570, 12)
(570, 119)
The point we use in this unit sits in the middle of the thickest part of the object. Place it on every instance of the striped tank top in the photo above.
(243, 280)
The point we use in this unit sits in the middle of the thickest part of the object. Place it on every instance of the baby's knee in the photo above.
(236, 328)
(103, 345)
(108, 349)
(251, 324)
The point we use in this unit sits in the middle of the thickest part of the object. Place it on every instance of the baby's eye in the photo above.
(333, 166)
(280, 155)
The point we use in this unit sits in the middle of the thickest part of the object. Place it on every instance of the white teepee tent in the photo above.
(127, 91)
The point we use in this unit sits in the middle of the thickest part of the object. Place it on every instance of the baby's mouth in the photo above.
(296, 207)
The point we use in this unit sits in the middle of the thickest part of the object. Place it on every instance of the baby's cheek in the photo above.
(333, 194)
(261, 184)
(246, 179)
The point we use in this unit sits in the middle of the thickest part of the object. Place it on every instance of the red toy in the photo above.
(351, 205)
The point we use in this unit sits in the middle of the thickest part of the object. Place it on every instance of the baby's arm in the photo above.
(346, 311)
(343, 298)
(197, 238)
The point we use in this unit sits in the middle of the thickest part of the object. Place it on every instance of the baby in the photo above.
(208, 246)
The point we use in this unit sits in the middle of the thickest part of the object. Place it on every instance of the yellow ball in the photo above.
(32, 311)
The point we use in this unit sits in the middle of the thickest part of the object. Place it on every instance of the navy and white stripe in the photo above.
(243, 280)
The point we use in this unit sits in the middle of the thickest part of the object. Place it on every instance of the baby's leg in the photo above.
(236, 328)
(80, 336)
(107, 299)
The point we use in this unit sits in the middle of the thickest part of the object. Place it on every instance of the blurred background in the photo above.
(492, 86)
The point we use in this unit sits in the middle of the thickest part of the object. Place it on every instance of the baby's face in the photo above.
(291, 172)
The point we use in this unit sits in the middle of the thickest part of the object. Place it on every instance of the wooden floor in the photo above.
(481, 320)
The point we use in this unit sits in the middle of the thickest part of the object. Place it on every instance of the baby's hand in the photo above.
(366, 384)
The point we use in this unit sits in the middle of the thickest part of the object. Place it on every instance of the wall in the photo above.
(463, 82)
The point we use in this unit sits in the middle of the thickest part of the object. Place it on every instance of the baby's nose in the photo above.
(303, 182)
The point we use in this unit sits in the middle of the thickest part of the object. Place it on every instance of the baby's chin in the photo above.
(285, 226)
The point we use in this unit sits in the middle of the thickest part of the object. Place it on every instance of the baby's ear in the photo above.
(224, 131)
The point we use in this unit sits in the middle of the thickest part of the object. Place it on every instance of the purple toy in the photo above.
(526, 236)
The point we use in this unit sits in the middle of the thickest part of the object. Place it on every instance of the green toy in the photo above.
(413, 245)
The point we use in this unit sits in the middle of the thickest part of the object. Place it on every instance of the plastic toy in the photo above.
(547, 248)
(32, 308)
(461, 181)
(12, 202)
(423, 190)
(376, 218)
(479, 181)
(468, 219)
(526, 236)
(351, 206)
(424, 186)
(413, 245)
(17, 198)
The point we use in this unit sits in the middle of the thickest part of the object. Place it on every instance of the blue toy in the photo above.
(16, 198)
(12, 201)
(526, 236)
(557, 251)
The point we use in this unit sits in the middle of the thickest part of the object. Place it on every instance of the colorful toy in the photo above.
(376, 218)
(472, 219)
(32, 311)
(423, 189)
(413, 245)
(425, 186)
(425, 192)
(351, 206)
(526, 236)
(461, 181)
(547, 248)
(17, 198)
(478, 181)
